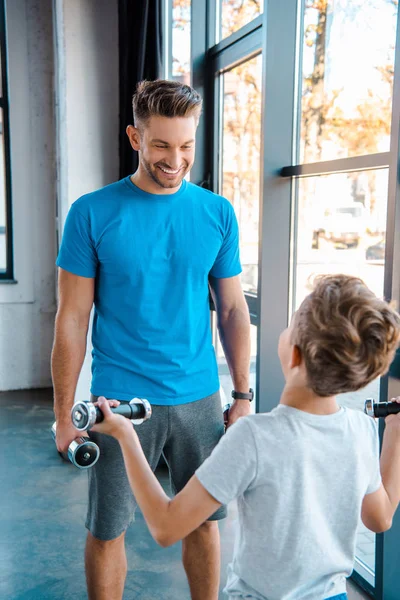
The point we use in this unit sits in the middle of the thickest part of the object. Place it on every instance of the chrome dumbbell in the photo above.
(225, 412)
(85, 414)
(380, 409)
(82, 452)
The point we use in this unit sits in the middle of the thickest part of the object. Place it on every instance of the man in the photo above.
(144, 250)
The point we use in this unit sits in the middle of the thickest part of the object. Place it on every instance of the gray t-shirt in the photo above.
(300, 480)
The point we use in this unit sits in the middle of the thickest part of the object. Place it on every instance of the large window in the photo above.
(347, 78)
(340, 207)
(234, 14)
(303, 96)
(240, 158)
(179, 54)
(6, 258)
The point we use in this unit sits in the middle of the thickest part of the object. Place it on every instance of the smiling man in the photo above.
(144, 250)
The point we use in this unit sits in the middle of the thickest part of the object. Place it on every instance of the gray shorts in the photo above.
(184, 434)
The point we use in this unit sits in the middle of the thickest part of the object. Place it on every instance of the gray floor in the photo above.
(42, 510)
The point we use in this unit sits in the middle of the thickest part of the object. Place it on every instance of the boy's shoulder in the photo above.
(355, 418)
(361, 421)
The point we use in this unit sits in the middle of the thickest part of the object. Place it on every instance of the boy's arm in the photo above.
(226, 474)
(379, 507)
(168, 520)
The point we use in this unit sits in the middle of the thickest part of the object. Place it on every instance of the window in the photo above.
(6, 258)
(341, 186)
(180, 54)
(234, 14)
(347, 78)
(241, 138)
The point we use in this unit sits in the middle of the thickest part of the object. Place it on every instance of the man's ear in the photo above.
(296, 358)
(133, 134)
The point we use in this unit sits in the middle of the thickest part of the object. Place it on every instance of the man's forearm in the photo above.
(234, 331)
(66, 362)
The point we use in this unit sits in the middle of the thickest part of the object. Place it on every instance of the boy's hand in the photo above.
(112, 424)
(393, 421)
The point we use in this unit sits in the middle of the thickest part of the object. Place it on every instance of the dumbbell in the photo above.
(81, 452)
(225, 412)
(85, 414)
(380, 409)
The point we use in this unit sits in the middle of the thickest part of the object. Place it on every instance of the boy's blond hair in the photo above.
(347, 336)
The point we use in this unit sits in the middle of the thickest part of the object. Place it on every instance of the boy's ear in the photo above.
(296, 357)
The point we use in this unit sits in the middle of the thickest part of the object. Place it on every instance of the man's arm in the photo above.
(233, 322)
(76, 295)
(379, 507)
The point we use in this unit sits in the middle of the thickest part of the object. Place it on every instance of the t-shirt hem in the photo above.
(374, 488)
(215, 493)
(227, 275)
(155, 401)
(75, 270)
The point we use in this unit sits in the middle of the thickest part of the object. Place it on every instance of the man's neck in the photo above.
(304, 399)
(146, 184)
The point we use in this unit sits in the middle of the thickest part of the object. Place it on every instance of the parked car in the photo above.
(376, 252)
(343, 225)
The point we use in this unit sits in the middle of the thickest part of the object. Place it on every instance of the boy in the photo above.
(303, 473)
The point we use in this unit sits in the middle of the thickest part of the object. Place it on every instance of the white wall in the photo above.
(27, 308)
(79, 135)
(87, 107)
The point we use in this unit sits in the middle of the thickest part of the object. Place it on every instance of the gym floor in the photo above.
(42, 512)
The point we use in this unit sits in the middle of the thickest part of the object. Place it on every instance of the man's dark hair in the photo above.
(166, 99)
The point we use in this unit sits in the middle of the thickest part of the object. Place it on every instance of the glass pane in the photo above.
(181, 41)
(347, 78)
(223, 369)
(340, 228)
(240, 173)
(236, 13)
(3, 218)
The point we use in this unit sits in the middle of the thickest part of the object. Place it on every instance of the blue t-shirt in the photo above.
(151, 256)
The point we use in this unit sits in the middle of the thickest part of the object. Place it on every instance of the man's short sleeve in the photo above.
(77, 252)
(227, 263)
(232, 466)
(375, 477)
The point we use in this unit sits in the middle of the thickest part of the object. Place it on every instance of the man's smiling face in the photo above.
(167, 149)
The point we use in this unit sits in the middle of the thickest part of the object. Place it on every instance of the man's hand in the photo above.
(114, 425)
(239, 408)
(65, 433)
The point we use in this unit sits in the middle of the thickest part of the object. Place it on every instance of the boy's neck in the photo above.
(303, 398)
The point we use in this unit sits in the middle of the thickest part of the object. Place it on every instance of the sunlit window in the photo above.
(347, 78)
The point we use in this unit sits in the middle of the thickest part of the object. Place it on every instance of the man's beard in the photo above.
(151, 171)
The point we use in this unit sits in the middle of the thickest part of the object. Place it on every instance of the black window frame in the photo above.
(6, 276)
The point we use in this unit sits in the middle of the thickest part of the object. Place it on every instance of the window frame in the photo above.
(6, 276)
(386, 544)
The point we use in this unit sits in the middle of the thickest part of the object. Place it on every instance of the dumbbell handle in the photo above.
(85, 414)
(130, 411)
(381, 409)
